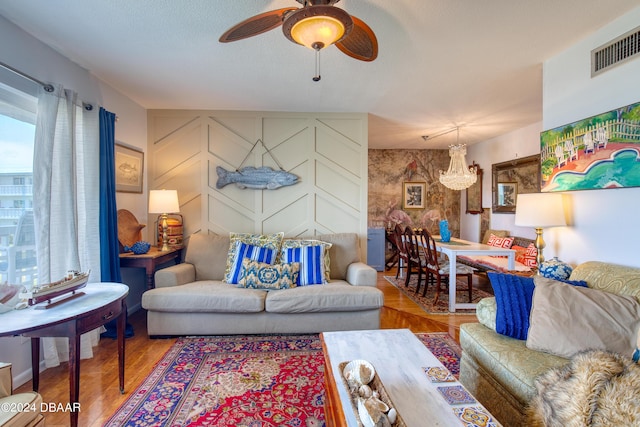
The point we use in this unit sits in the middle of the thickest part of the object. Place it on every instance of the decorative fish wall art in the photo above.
(257, 178)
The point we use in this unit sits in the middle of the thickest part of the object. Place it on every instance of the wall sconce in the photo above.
(164, 202)
(540, 210)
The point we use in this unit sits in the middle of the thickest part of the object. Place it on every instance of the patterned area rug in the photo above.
(426, 302)
(243, 381)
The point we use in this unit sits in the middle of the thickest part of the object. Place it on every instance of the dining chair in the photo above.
(415, 263)
(437, 267)
(403, 259)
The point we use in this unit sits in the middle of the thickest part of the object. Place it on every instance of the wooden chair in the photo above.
(403, 259)
(438, 268)
(415, 263)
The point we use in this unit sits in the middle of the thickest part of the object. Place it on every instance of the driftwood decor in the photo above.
(508, 179)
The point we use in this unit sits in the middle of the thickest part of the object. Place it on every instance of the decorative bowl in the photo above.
(138, 248)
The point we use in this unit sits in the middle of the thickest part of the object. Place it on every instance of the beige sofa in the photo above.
(191, 298)
(500, 371)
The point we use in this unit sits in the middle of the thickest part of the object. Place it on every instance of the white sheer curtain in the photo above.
(66, 199)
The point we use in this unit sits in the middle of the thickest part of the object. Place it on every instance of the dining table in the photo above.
(456, 247)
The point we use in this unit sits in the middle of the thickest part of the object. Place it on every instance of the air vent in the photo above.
(616, 52)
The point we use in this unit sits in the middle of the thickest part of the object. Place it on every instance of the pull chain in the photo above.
(317, 76)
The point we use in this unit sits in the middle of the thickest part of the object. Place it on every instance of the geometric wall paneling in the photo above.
(335, 216)
(176, 148)
(246, 126)
(191, 213)
(336, 148)
(186, 179)
(327, 151)
(228, 146)
(349, 128)
(338, 184)
(280, 129)
(223, 217)
(162, 126)
(289, 218)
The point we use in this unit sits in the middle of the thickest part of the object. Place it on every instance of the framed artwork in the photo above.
(129, 163)
(508, 179)
(474, 194)
(413, 195)
(594, 153)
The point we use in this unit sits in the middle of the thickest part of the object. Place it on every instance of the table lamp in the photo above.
(163, 202)
(540, 210)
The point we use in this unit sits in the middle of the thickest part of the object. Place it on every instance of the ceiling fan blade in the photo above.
(361, 43)
(256, 25)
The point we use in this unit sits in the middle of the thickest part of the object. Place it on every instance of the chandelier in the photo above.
(459, 176)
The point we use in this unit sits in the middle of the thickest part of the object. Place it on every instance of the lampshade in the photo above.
(163, 201)
(459, 176)
(540, 210)
(317, 27)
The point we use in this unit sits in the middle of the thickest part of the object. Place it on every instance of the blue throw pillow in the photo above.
(514, 297)
(254, 253)
(311, 259)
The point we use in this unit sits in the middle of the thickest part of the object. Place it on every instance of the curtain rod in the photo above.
(46, 86)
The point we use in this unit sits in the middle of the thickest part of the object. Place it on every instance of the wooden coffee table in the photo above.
(418, 385)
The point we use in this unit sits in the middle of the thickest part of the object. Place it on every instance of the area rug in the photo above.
(243, 381)
(442, 307)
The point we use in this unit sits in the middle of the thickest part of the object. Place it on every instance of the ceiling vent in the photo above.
(616, 52)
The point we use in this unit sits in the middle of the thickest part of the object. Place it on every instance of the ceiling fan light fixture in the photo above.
(317, 27)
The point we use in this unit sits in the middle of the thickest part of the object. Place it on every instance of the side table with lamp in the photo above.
(163, 202)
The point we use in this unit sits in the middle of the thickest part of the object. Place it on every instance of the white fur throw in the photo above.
(596, 388)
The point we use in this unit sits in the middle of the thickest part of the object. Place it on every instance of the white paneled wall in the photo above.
(327, 151)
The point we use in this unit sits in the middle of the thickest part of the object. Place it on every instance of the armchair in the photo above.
(18, 410)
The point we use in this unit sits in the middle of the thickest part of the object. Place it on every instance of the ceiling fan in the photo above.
(316, 25)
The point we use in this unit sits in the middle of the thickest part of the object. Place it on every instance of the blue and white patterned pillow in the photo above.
(258, 275)
(271, 241)
(254, 253)
(311, 259)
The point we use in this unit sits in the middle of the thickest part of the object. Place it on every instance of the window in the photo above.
(18, 262)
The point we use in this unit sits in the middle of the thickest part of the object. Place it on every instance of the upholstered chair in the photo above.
(29, 402)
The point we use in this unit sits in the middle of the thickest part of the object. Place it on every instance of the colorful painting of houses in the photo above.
(602, 151)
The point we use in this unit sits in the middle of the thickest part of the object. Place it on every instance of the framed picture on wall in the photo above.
(413, 195)
(474, 194)
(129, 163)
(507, 192)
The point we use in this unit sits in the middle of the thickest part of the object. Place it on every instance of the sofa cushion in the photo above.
(311, 261)
(207, 252)
(205, 296)
(499, 233)
(334, 296)
(260, 275)
(514, 296)
(500, 242)
(567, 319)
(271, 241)
(253, 253)
(301, 243)
(345, 250)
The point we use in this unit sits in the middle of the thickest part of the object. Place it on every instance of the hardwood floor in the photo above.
(99, 390)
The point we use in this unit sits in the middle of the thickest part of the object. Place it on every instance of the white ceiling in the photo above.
(441, 64)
